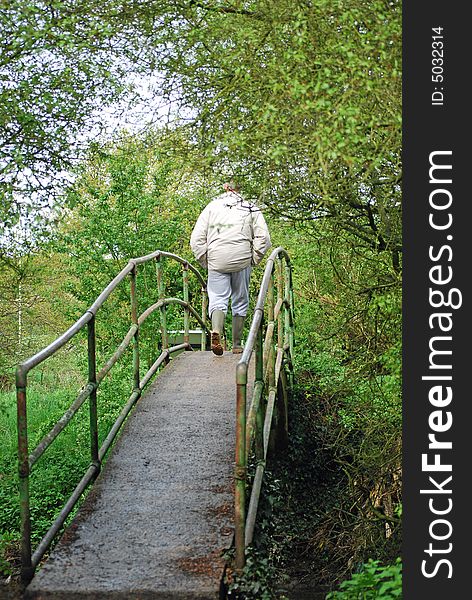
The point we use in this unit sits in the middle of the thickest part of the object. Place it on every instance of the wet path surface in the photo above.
(160, 514)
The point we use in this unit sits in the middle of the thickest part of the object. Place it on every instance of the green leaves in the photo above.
(60, 61)
(371, 583)
(132, 197)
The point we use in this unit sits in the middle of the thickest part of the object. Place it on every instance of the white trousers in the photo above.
(223, 286)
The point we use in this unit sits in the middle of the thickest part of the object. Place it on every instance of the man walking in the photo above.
(229, 237)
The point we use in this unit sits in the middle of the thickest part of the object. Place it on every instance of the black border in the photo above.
(428, 128)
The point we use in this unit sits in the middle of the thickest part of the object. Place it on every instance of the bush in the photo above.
(373, 582)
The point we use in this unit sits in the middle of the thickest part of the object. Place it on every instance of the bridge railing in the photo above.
(271, 336)
(29, 560)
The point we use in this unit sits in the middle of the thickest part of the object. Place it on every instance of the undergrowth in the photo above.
(309, 530)
(373, 582)
(59, 470)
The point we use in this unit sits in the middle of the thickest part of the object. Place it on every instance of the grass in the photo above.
(61, 467)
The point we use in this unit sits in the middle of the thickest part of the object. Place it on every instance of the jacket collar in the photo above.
(230, 198)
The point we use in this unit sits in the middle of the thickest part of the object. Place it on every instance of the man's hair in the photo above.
(232, 185)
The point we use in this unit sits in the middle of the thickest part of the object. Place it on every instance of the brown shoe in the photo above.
(237, 350)
(216, 345)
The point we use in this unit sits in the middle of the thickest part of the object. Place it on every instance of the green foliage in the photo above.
(348, 372)
(64, 463)
(256, 580)
(132, 197)
(262, 574)
(60, 61)
(30, 316)
(57, 472)
(372, 582)
(302, 100)
(8, 546)
(324, 368)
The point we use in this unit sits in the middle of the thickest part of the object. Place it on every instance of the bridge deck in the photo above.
(160, 513)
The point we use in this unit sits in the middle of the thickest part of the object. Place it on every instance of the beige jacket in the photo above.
(230, 234)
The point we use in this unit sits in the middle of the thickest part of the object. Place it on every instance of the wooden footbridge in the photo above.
(173, 493)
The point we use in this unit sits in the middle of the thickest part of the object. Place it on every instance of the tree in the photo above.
(348, 374)
(133, 196)
(63, 64)
(302, 99)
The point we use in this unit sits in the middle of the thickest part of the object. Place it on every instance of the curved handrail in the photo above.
(254, 424)
(29, 560)
(39, 357)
